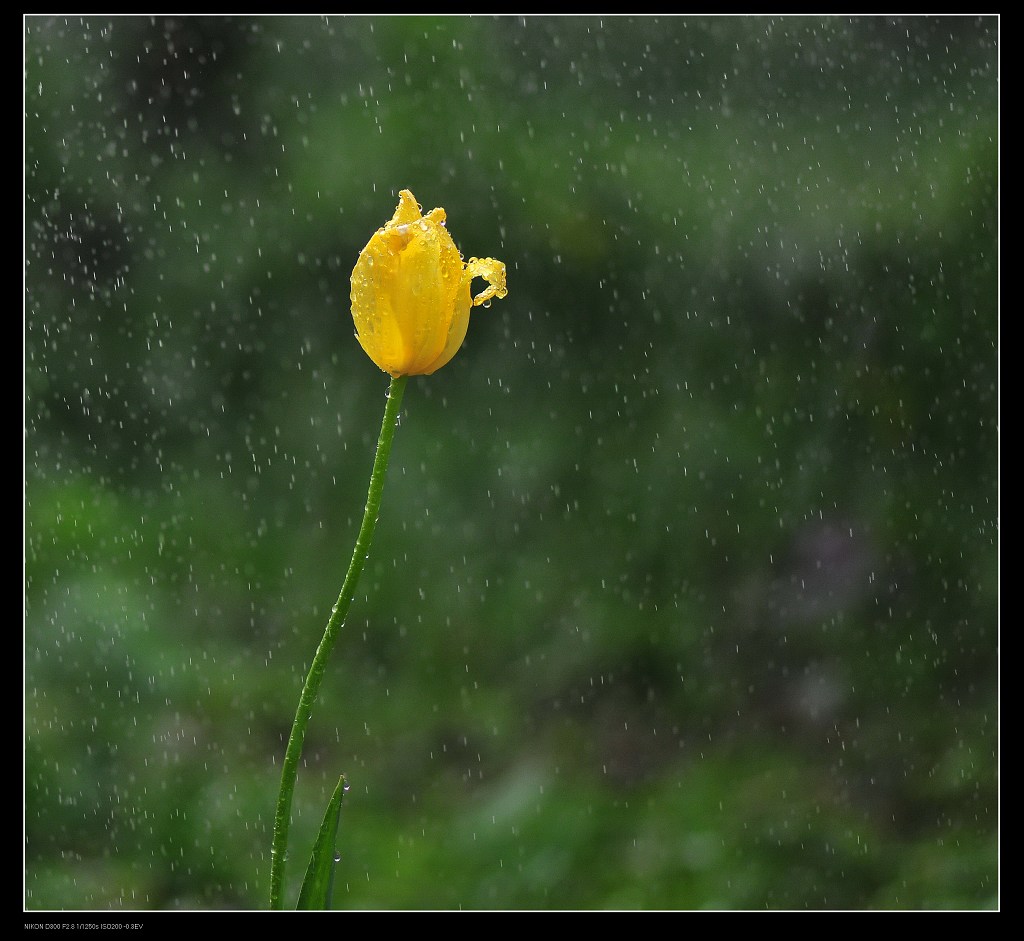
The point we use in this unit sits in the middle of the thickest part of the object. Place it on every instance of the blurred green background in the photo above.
(685, 588)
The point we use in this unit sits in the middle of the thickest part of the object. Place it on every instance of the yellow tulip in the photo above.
(410, 292)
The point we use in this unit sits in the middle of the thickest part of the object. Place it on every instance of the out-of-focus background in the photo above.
(685, 588)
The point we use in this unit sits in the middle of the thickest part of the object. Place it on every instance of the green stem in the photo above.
(290, 769)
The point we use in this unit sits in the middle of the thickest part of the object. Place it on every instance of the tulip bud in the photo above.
(410, 292)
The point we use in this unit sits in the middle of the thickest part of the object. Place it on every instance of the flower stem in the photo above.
(290, 769)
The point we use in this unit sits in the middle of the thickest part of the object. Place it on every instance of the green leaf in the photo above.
(318, 885)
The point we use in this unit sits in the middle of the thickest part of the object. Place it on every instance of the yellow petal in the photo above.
(493, 271)
(410, 292)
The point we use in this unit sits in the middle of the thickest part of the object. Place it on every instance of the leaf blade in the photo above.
(317, 886)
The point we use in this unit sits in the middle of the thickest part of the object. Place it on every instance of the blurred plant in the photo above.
(410, 304)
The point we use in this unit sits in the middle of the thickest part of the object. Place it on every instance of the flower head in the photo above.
(410, 292)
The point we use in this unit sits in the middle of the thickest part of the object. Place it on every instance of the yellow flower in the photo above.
(410, 292)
